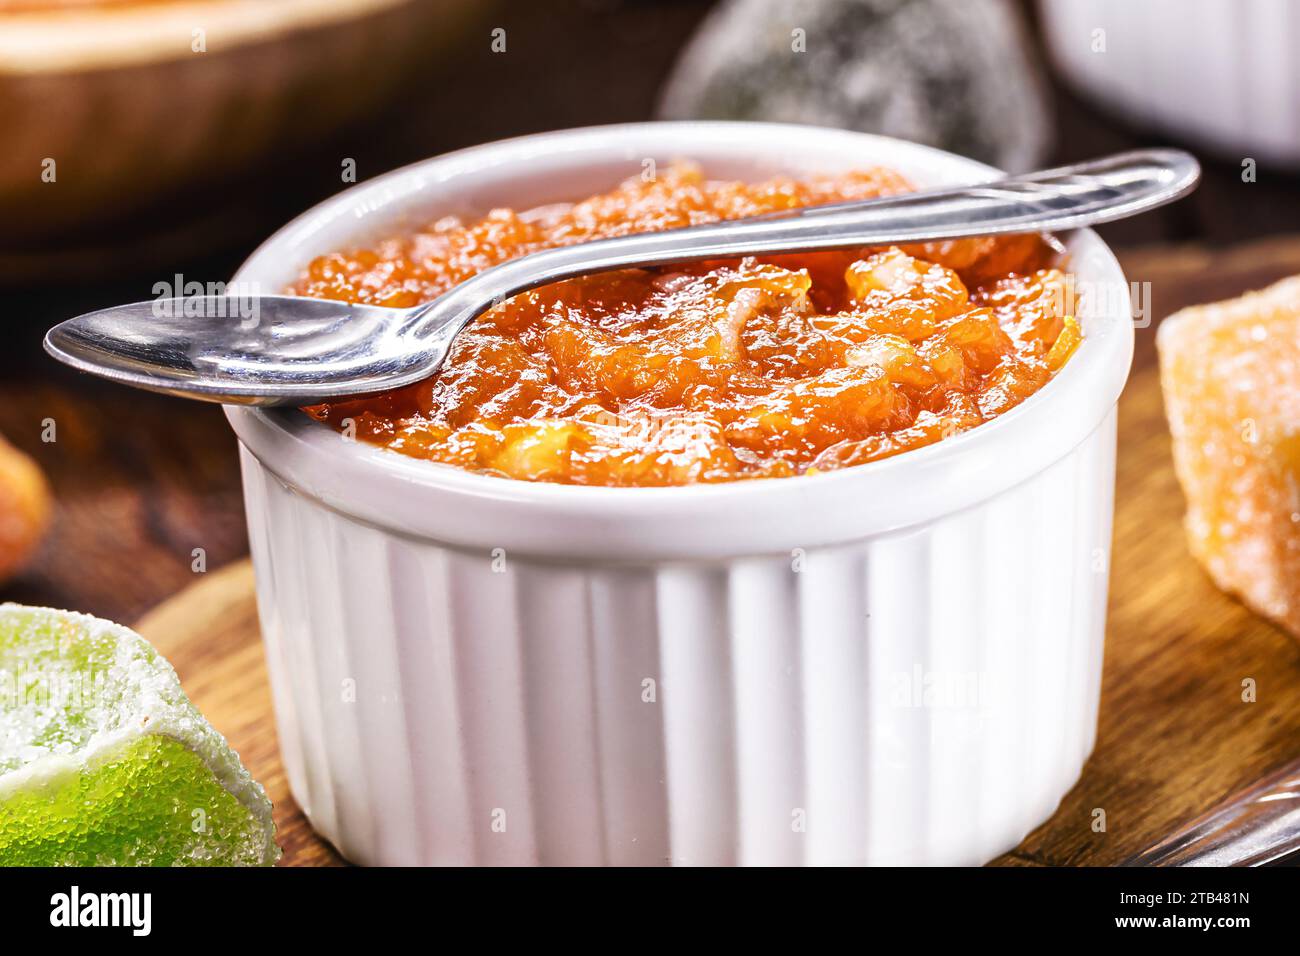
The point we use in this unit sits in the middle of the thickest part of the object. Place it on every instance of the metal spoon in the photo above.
(1258, 826)
(289, 350)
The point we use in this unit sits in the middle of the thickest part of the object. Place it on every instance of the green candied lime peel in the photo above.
(104, 761)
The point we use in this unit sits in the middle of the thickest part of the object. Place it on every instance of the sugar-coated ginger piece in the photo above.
(1230, 372)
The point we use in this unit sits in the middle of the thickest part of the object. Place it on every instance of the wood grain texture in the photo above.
(1175, 733)
(139, 481)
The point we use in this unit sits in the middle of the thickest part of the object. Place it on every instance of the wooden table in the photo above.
(141, 483)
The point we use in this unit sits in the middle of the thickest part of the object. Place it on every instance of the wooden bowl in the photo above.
(110, 103)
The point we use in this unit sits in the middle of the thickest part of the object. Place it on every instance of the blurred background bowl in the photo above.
(1223, 76)
(134, 100)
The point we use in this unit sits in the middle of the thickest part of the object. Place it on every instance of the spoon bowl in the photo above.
(258, 350)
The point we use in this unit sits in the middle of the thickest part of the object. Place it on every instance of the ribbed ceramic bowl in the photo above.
(895, 663)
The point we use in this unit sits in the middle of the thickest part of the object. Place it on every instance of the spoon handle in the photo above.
(1258, 826)
(1063, 198)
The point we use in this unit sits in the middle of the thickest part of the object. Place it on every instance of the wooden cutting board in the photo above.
(1175, 733)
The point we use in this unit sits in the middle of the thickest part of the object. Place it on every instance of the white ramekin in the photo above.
(895, 663)
(1223, 74)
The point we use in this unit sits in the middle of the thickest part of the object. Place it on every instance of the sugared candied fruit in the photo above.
(105, 762)
(1230, 372)
(715, 371)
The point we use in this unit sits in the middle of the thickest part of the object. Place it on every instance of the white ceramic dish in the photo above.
(1224, 75)
(896, 663)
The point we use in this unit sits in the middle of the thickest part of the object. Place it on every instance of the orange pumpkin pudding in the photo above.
(715, 371)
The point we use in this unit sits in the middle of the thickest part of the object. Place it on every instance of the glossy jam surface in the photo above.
(715, 371)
